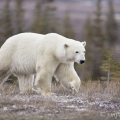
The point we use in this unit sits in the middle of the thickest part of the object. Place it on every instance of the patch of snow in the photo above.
(101, 105)
(83, 109)
(14, 106)
(72, 106)
(21, 113)
(49, 114)
(5, 108)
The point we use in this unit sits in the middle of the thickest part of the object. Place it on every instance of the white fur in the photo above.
(27, 54)
(66, 74)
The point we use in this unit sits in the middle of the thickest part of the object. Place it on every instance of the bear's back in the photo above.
(19, 50)
(20, 40)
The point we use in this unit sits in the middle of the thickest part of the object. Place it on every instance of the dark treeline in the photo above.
(100, 34)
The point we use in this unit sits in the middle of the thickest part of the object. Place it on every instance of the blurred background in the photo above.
(95, 21)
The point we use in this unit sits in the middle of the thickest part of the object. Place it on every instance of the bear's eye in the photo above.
(76, 52)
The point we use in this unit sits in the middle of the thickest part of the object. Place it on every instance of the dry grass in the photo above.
(92, 102)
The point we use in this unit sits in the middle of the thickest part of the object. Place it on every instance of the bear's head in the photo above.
(75, 52)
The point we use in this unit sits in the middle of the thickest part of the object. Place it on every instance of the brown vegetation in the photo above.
(92, 102)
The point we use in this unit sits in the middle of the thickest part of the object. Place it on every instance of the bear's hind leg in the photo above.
(25, 83)
(3, 77)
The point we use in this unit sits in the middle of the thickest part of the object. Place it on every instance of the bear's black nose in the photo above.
(82, 61)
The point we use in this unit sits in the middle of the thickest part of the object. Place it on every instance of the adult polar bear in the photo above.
(28, 53)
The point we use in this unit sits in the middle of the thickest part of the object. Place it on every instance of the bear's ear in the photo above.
(66, 46)
(84, 43)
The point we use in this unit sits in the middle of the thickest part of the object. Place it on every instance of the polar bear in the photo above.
(27, 54)
(67, 76)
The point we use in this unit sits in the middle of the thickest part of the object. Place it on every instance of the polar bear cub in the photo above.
(67, 76)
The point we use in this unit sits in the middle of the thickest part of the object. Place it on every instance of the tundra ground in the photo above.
(93, 102)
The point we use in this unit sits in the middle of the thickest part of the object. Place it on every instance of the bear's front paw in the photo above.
(43, 93)
(46, 94)
(36, 91)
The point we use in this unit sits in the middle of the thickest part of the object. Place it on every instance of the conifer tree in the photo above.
(19, 16)
(44, 18)
(1, 30)
(68, 30)
(50, 19)
(6, 28)
(111, 25)
(88, 37)
(98, 41)
(110, 66)
(38, 24)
